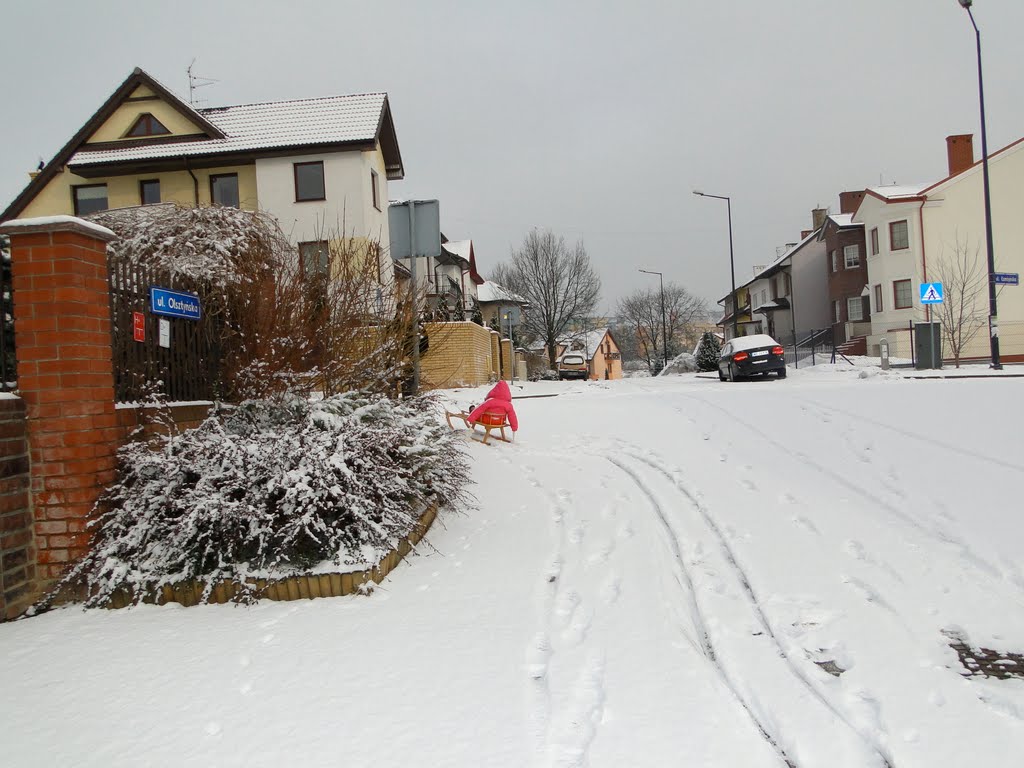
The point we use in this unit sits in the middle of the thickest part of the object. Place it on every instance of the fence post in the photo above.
(65, 377)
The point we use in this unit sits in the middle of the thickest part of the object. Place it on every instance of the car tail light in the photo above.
(778, 351)
(739, 357)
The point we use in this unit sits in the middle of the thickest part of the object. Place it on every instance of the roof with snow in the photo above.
(233, 133)
(463, 249)
(492, 292)
(843, 220)
(590, 340)
(272, 125)
(895, 193)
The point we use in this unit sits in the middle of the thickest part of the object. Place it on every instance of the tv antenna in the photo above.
(197, 81)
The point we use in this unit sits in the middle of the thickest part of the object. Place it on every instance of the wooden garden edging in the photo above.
(301, 587)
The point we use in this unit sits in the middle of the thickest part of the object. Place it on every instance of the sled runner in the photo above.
(489, 422)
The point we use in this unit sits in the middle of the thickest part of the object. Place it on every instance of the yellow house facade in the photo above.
(319, 166)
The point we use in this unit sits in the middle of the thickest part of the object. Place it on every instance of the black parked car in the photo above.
(756, 355)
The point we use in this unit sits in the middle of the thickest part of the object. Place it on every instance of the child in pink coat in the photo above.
(499, 401)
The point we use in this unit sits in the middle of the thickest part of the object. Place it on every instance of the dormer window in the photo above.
(147, 125)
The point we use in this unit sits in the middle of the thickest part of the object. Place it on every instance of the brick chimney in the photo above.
(960, 152)
(804, 233)
(818, 217)
(849, 202)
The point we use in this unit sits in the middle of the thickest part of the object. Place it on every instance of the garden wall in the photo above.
(459, 355)
(17, 555)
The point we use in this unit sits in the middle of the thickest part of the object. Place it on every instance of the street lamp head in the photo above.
(966, 3)
(701, 194)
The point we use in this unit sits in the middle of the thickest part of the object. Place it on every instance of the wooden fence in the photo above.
(188, 367)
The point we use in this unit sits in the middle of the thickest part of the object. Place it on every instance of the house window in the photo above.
(878, 298)
(149, 191)
(902, 298)
(315, 257)
(224, 190)
(835, 261)
(851, 256)
(375, 189)
(874, 241)
(836, 312)
(147, 125)
(309, 181)
(89, 198)
(855, 309)
(899, 236)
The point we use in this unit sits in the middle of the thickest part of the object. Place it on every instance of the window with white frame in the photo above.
(835, 261)
(855, 309)
(851, 256)
(837, 312)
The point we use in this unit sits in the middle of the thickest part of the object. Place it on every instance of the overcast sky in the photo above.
(593, 119)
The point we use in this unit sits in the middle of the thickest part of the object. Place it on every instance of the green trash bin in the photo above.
(928, 345)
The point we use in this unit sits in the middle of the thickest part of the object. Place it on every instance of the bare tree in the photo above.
(557, 281)
(964, 312)
(641, 313)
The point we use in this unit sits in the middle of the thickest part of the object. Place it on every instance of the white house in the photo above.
(914, 234)
(791, 293)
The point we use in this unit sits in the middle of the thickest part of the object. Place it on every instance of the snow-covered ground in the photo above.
(665, 571)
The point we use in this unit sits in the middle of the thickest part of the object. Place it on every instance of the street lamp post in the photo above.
(664, 325)
(993, 321)
(732, 263)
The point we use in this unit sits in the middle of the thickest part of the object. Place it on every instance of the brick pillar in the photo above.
(506, 359)
(495, 353)
(65, 377)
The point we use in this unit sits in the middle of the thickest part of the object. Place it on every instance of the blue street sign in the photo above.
(931, 293)
(174, 303)
(1006, 278)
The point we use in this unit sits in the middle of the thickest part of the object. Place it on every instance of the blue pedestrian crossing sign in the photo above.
(931, 293)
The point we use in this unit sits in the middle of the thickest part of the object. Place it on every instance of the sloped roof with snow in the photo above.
(896, 193)
(843, 220)
(492, 292)
(271, 125)
(590, 340)
(463, 249)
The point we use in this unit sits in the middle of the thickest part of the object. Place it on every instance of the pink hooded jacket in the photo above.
(499, 400)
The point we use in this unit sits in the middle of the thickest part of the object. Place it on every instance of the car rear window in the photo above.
(572, 360)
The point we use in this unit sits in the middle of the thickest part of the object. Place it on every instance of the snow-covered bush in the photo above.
(277, 324)
(708, 352)
(683, 363)
(271, 487)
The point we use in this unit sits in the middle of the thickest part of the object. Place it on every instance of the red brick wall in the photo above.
(62, 334)
(17, 555)
(845, 283)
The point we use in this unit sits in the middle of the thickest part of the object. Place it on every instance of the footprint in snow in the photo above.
(855, 550)
(212, 728)
(807, 525)
(611, 590)
(576, 535)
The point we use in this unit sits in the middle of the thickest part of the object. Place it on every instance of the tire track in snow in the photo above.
(837, 717)
(963, 550)
(700, 624)
(566, 731)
